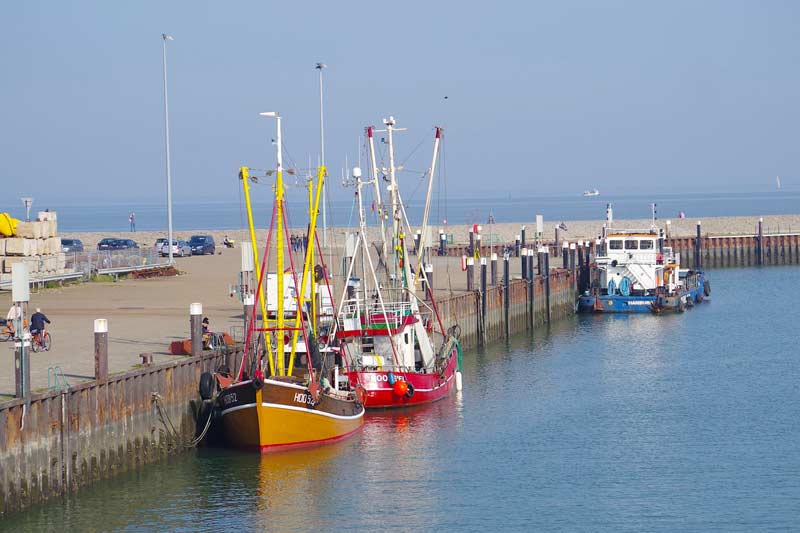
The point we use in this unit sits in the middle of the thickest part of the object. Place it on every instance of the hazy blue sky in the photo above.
(552, 97)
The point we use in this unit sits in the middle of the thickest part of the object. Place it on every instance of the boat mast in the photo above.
(396, 227)
(423, 239)
(244, 174)
(279, 317)
(377, 183)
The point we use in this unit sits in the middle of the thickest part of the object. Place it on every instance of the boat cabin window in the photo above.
(631, 245)
(645, 245)
(615, 245)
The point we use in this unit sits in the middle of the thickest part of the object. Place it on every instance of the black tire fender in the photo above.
(706, 287)
(410, 391)
(257, 383)
(206, 385)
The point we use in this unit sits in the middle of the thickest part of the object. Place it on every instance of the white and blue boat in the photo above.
(634, 272)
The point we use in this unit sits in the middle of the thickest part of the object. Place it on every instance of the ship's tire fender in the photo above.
(257, 383)
(206, 385)
(706, 287)
(410, 391)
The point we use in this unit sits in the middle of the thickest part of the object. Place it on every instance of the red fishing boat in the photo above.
(396, 354)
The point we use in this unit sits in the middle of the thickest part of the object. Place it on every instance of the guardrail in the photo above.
(114, 261)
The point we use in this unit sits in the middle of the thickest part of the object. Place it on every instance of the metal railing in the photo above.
(114, 261)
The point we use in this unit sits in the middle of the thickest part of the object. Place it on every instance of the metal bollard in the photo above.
(101, 349)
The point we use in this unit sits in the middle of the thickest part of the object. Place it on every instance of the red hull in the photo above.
(427, 387)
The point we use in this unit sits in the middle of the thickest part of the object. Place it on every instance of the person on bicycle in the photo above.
(14, 314)
(38, 320)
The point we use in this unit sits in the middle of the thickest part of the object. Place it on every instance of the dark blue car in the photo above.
(202, 244)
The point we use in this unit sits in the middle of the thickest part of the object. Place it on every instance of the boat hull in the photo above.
(279, 415)
(695, 292)
(427, 387)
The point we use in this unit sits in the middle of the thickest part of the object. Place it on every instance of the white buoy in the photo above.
(459, 381)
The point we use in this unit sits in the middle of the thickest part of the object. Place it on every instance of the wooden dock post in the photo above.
(442, 243)
(196, 327)
(507, 294)
(477, 252)
(523, 259)
(572, 249)
(22, 366)
(417, 241)
(471, 249)
(522, 236)
(101, 349)
(517, 246)
(760, 243)
(493, 269)
(483, 293)
(547, 282)
(698, 249)
(565, 255)
(531, 291)
(470, 274)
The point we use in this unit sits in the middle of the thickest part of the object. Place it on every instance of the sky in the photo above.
(535, 97)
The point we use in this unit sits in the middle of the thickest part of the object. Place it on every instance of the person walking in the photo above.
(132, 219)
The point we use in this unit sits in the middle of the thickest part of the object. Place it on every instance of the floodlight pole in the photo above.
(166, 38)
(320, 67)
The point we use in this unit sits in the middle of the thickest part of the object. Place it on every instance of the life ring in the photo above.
(410, 391)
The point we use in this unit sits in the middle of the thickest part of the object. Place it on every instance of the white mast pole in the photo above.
(423, 239)
(392, 182)
(377, 183)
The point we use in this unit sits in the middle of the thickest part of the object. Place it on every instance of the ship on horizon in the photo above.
(591, 192)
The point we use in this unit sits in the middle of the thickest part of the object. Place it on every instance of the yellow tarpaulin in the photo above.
(8, 225)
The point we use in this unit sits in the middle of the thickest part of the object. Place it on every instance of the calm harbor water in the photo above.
(680, 422)
(230, 214)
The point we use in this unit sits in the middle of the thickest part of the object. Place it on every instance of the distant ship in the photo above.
(778, 181)
(593, 192)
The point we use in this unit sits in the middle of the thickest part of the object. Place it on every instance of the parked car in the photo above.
(106, 243)
(180, 248)
(124, 244)
(159, 245)
(71, 245)
(202, 244)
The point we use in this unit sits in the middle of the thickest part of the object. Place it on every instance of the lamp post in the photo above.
(320, 67)
(27, 202)
(166, 38)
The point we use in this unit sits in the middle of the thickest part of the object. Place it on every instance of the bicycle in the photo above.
(41, 342)
(7, 330)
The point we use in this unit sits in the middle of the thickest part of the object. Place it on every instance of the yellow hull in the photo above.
(277, 415)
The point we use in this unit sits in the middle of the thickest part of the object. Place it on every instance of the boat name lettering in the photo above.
(229, 398)
(301, 397)
(385, 377)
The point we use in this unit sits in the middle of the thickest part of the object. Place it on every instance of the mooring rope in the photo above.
(169, 427)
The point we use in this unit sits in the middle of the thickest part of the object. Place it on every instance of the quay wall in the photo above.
(60, 441)
(715, 252)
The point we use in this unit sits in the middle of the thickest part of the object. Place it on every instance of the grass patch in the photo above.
(101, 278)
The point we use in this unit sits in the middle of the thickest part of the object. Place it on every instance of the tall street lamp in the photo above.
(320, 67)
(166, 38)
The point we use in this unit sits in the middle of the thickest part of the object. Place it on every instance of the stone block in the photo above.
(30, 230)
(2, 246)
(18, 246)
(46, 215)
(48, 263)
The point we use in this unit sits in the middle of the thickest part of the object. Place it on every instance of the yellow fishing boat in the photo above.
(268, 403)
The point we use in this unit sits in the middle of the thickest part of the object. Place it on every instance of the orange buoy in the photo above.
(400, 387)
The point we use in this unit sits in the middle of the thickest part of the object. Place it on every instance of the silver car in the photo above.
(179, 248)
